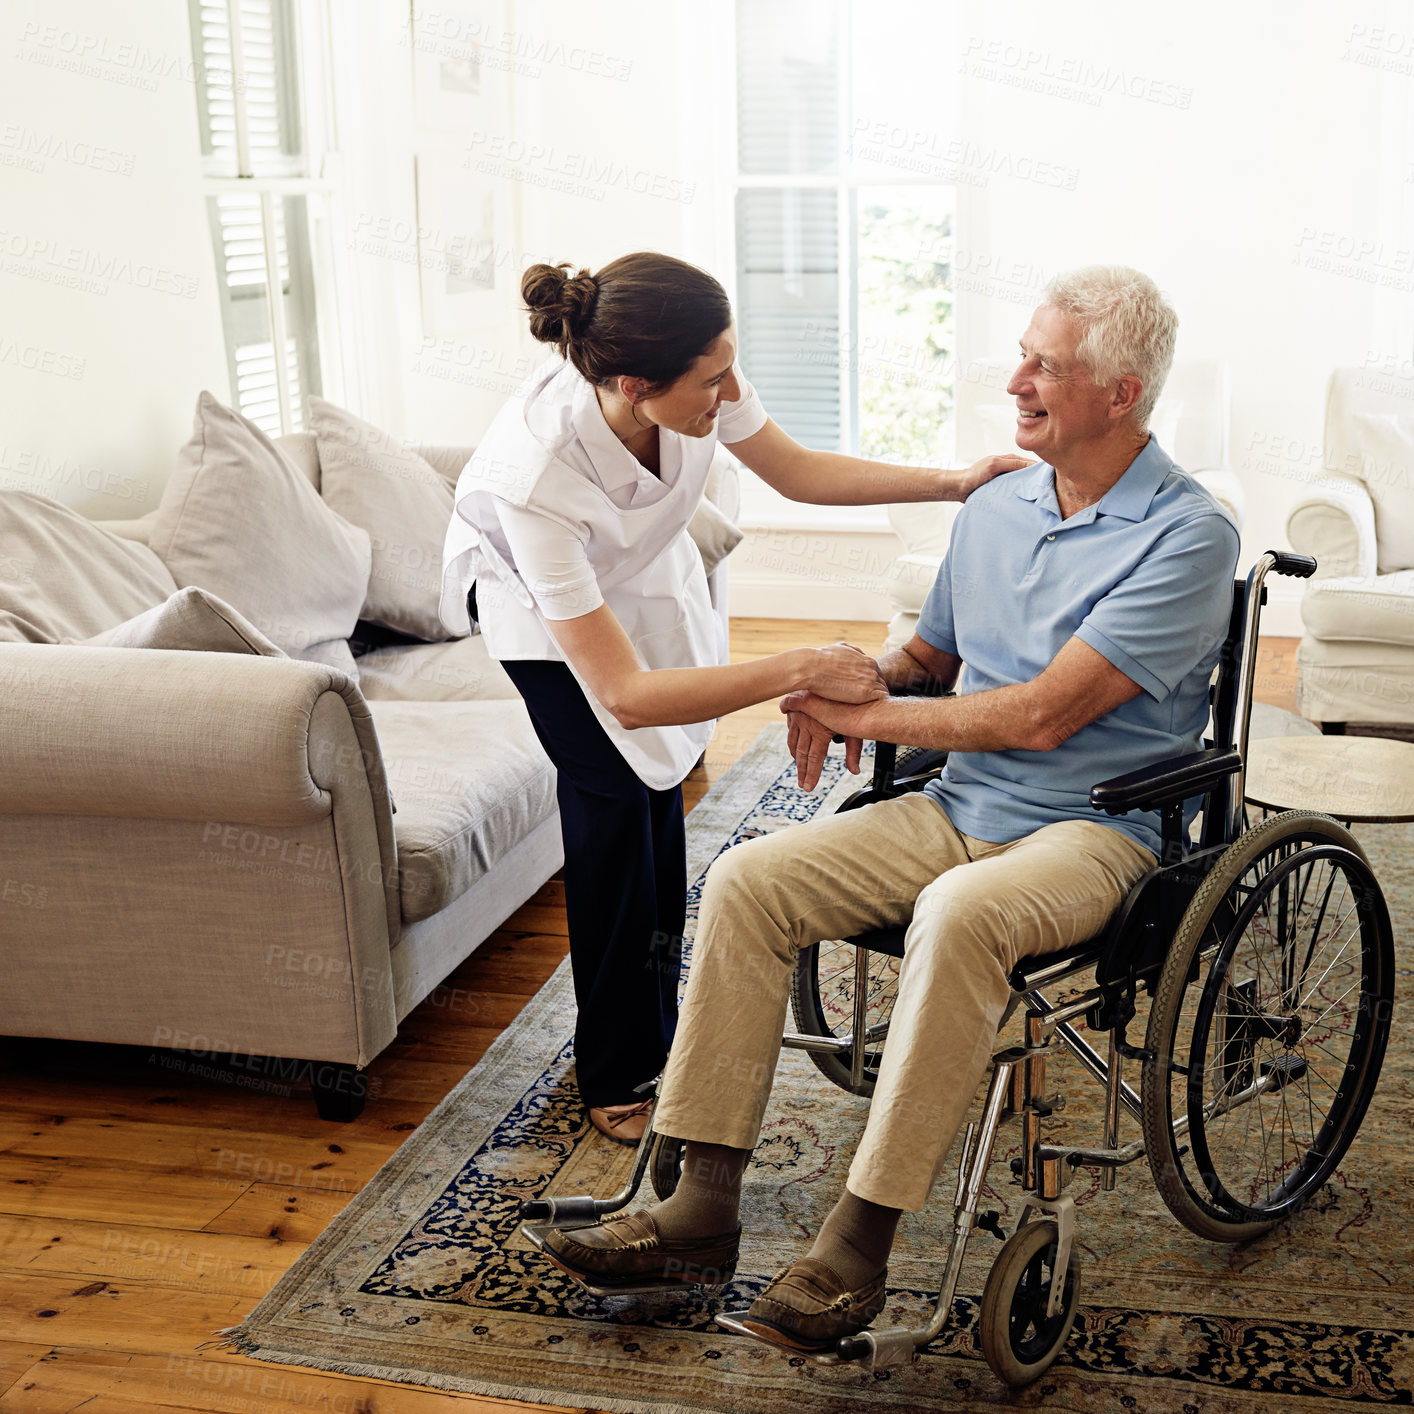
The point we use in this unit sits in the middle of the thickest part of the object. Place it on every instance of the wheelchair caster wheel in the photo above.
(1019, 1339)
(665, 1165)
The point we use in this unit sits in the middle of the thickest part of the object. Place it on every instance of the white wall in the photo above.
(1237, 153)
(576, 134)
(1251, 158)
(109, 323)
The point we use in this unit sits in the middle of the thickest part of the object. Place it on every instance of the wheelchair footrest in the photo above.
(580, 1210)
(875, 1349)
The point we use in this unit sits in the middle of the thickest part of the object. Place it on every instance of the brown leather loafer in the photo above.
(630, 1252)
(806, 1306)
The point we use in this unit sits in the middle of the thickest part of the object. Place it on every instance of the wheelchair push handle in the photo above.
(1298, 566)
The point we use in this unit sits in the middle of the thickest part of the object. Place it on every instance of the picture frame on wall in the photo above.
(466, 214)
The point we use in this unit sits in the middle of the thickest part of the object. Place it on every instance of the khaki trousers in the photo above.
(977, 908)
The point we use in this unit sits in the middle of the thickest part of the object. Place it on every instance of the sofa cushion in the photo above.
(471, 781)
(237, 519)
(458, 670)
(62, 576)
(191, 620)
(1379, 610)
(372, 480)
(1387, 469)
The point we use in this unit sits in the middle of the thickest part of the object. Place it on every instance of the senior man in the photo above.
(1084, 600)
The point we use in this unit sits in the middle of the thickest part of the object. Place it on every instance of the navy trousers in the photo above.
(625, 890)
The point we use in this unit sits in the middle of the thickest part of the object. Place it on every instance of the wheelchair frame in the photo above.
(1128, 953)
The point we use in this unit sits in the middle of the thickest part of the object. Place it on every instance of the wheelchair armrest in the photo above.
(1179, 778)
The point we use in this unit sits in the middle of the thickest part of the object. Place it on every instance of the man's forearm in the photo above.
(905, 674)
(1004, 719)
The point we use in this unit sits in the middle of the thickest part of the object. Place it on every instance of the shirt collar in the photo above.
(1128, 498)
(615, 465)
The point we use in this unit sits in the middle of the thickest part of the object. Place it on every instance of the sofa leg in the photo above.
(340, 1090)
(1333, 728)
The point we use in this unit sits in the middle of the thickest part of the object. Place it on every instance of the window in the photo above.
(260, 144)
(845, 204)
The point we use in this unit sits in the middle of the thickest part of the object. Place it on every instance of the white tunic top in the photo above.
(554, 516)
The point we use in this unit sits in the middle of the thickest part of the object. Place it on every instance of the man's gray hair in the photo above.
(1127, 327)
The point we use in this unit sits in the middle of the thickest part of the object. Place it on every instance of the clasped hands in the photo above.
(838, 695)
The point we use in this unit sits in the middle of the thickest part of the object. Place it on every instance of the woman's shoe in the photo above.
(630, 1253)
(624, 1124)
(807, 1307)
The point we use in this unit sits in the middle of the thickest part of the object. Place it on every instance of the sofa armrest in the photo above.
(139, 529)
(163, 734)
(1334, 520)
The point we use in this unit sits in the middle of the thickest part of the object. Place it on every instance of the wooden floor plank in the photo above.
(16, 1356)
(74, 1381)
(124, 1314)
(214, 1261)
(99, 1192)
(347, 1162)
(291, 1215)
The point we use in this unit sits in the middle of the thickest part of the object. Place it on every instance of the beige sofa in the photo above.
(259, 858)
(1356, 659)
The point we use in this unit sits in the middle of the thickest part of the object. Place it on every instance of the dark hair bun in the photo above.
(559, 301)
(646, 315)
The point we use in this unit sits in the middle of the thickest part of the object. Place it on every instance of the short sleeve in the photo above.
(551, 560)
(935, 621)
(744, 418)
(1171, 612)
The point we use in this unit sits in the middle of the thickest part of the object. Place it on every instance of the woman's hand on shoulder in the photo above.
(984, 470)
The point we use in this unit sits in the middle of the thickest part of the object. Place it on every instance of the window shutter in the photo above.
(266, 88)
(240, 257)
(788, 291)
(787, 84)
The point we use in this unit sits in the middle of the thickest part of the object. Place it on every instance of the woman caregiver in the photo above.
(569, 546)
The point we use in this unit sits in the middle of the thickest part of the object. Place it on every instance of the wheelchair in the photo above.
(1267, 956)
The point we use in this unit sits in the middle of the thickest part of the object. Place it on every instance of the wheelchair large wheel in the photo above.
(822, 1002)
(1268, 1027)
(1020, 1341)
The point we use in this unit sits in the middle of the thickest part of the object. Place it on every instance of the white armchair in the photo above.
(1190, 423)
(1356, 659)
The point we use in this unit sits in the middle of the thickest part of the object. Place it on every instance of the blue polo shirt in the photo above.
(1144, 576)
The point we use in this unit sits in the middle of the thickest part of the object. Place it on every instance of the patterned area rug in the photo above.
(425, 1277)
